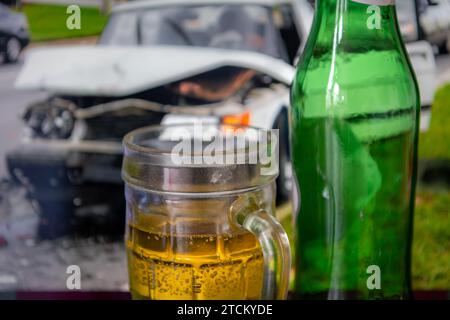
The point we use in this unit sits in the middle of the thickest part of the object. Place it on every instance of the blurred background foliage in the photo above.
(45, 22)
(434, 144)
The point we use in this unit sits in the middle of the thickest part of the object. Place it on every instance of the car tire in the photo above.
(12, 50)
(284, 180)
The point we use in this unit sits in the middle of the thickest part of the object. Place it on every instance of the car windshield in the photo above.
(239, 27)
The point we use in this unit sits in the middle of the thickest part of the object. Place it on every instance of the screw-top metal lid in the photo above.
(200, 158)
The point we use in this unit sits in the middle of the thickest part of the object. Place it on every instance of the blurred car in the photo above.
(171, 61)
(408, 19)
(156, 62)
(435, 22)
(421, 53)
(14, 34)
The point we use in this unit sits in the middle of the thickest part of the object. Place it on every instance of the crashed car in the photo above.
(156, 62)
(171, 61)
(435, 22)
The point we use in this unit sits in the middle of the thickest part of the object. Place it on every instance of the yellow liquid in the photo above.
(194, 266)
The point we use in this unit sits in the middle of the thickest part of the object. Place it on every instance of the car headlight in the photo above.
(48, 120)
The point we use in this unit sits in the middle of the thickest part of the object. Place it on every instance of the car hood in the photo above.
(120, 71)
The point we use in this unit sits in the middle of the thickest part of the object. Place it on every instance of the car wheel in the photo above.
(284, 181)
(13, 48)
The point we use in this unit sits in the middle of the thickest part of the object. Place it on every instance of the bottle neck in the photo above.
(357, 24)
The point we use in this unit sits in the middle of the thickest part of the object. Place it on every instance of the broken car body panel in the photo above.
(121, 71)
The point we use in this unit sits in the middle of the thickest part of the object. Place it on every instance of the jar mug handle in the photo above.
(274, 243)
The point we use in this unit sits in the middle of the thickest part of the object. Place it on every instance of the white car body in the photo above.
(435, 22)
(121, 71)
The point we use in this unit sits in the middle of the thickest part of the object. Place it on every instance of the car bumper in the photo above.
(71, 188)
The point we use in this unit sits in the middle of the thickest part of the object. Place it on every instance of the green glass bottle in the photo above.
(354, 130)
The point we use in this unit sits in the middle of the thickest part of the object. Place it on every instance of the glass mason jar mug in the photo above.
(199, 214)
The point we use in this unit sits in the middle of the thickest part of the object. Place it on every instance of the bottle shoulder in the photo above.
(366, 81)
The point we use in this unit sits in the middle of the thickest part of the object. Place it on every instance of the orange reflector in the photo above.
(239, 119)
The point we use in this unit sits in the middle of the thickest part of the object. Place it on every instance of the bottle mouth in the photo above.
(199, 157)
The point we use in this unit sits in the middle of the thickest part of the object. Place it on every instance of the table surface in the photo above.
(123, 295)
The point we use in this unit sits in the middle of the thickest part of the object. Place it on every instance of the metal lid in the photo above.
(200, 158)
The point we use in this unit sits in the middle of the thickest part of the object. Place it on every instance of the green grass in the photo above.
(435, 144)
(48, 22)
(431, 246)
